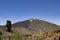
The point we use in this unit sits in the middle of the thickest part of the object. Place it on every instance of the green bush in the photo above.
(17, 36)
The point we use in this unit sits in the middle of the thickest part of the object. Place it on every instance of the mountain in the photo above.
(34, 25)
(32, 29)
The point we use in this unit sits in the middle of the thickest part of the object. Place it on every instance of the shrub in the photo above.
(17, 36)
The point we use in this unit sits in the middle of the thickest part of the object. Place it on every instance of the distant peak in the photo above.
(31, 19)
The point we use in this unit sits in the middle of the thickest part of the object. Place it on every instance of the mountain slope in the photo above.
(35, 25)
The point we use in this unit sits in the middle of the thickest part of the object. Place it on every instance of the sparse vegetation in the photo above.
(54, 35)
(17, 36)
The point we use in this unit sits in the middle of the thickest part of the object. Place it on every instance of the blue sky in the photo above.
(19, 10)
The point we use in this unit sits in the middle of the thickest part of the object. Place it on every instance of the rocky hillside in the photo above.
(35, 25)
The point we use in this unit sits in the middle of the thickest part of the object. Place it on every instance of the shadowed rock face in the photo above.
(8, 25)
(36, 25)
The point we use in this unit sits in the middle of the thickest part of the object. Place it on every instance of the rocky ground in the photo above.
(55, 35)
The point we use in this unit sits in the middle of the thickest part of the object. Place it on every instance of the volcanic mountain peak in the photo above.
(36, 25)
(33, 19)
